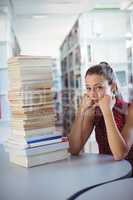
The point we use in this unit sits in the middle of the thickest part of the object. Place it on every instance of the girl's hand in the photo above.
(106, 103)
(86, 103)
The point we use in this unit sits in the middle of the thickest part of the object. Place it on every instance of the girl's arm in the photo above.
(127, 131)
(120, 143)
(82, 127)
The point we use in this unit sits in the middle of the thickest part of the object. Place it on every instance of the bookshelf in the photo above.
(8, 47)
(130, 56)
(56, 71)
(96, 36)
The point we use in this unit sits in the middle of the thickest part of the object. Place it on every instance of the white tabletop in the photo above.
(60, 180)
(118, 190)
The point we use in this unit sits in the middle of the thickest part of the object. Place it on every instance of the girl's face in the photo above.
(97, 86)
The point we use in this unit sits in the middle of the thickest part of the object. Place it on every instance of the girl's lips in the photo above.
(95, 100)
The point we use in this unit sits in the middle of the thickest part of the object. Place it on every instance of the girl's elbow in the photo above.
(120, 156)
(74, 151)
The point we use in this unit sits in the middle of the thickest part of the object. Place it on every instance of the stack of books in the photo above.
(34, 139)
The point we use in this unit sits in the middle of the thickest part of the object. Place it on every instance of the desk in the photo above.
(118, 190)
(60, 180)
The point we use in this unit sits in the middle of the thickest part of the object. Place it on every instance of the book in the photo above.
(32, 126)
(38, 149)
(36, 137)
(32, 142)
(33, 111)
(26, 60)
(33, 132)
(31, 161)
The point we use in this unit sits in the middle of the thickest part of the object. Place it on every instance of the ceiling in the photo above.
(41, 25)
(66, 7)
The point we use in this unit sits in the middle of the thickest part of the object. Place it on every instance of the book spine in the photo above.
(45, 142)
(41, 149)
(43, 139)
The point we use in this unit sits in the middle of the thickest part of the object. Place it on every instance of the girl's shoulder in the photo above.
(120, 111)
(121, 102)
(121, 106)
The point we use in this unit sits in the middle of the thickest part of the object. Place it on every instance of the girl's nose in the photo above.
(93, 93)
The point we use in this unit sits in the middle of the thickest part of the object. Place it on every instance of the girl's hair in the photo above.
(102, 69)
(105, 70)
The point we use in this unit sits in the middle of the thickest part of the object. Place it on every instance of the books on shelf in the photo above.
(33, 139)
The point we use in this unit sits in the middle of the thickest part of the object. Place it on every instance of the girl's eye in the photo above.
(100, 87)
(88, 89)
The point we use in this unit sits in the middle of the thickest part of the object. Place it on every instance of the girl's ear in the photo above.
(114, 87)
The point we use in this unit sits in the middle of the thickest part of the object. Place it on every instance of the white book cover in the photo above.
(21, 138)
(32, 142)
(32, 132)
(32, 161)
(40, 149)
(16, 146)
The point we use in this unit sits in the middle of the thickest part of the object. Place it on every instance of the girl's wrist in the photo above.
(107, 111)
(89, 112)
(84, 109)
